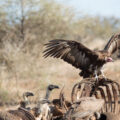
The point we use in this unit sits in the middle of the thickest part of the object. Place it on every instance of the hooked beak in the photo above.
(27, 94)
(51, 87)
(57, 87)
(109, 59)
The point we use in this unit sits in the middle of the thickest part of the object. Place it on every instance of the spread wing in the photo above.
(72, 52)
(113, 45)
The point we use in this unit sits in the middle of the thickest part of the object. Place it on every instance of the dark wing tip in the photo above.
(53, 48)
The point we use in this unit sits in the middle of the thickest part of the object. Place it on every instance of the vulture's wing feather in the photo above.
(113, 44)
(72, 52)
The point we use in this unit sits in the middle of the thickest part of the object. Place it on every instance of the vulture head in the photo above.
(26, 95)
(25, 101)
(104, 56)
(51, 87)
(108, 59)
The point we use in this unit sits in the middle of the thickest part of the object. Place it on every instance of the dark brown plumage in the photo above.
(88, 61)
(22, 113)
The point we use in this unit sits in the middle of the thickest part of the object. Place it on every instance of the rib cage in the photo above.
(103, 88)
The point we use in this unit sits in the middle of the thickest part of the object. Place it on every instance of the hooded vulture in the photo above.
(90, 62)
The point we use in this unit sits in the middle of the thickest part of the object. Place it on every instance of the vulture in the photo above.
(25, 101)
(90, 62)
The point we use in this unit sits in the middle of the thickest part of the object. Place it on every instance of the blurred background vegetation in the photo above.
(25, 26)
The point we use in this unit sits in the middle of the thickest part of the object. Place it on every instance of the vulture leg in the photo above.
(96, 76)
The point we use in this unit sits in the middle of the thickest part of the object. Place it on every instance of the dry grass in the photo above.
(22, 67)
(30, 73)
